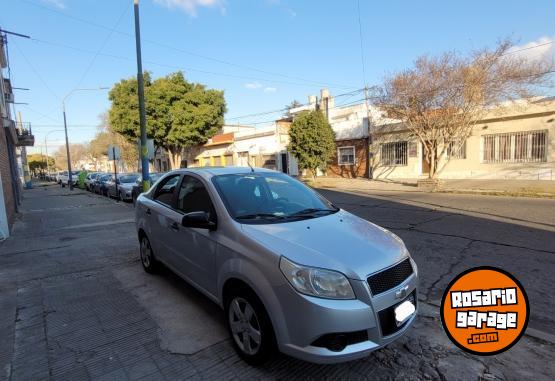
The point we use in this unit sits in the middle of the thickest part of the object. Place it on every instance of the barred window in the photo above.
(394, 153)
(346, 155)
(456, 150)
(515, 147)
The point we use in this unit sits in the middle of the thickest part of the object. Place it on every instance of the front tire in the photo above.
(150, 264)
(250, 327)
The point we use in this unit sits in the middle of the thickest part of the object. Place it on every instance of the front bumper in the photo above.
(308, 318)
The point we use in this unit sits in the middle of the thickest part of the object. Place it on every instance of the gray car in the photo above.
(121, 187)
(291, 271)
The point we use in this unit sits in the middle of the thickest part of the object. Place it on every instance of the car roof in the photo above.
(217, 171)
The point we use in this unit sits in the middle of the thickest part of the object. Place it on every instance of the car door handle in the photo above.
(148, 211)
(174, 226)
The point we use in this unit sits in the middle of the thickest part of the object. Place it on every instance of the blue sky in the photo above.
(262, 53)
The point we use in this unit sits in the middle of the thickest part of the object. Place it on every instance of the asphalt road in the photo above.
(75, 303)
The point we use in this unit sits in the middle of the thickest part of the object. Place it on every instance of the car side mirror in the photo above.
(199, 220)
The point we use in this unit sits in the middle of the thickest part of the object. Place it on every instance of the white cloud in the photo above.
(542, 48)
(253, 85)
(56, 3)
(270, 90)
(190, 6)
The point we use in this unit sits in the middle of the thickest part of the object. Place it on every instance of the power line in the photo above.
(174, 67)
(167, 46)
(91, 63)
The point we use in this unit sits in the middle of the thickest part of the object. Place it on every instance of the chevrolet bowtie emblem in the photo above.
(402, 292)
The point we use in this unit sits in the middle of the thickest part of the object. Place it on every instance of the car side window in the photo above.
(193, 196)
(164, 192)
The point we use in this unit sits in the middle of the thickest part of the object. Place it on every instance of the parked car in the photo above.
(89, 180)
(291, 270)
(100, 183)
(64, 178)
(121, 187)
(138, 186)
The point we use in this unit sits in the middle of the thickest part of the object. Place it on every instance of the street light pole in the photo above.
(141, 94)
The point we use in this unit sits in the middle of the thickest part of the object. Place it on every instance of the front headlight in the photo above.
(316, 282)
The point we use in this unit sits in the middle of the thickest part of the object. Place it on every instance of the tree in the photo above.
(312, 140)
(294, 104)
(179, 114)
(98, 146)
(441, 98)
(37, 162)
(78, 153)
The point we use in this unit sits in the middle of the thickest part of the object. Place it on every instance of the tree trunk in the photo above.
(175, 157)
(433, 162)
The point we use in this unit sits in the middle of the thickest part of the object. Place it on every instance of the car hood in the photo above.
(340, 241)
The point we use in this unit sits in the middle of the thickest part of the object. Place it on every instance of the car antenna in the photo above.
(249, 163)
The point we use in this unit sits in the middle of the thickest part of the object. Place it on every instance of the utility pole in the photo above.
(370, 154)
(141, 93)
(70, 179)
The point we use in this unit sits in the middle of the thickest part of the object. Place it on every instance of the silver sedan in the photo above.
(291, 271)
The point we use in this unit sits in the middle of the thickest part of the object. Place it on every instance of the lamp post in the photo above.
(70, 180)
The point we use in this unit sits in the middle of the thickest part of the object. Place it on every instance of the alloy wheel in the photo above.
(146, 252)
(245, 326)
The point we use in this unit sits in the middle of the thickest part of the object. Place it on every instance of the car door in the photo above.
(195, 249)
(160, 214)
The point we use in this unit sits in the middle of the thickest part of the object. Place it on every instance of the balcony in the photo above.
(25, 135)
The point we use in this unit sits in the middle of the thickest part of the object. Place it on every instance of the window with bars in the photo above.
(394, 153)
(346, 155)
(515, 147)
(456, 150)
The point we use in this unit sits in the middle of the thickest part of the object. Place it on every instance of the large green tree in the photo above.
(37, 162)
(312, 140)
(180, 114)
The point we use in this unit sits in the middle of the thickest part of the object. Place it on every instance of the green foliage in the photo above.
(37, 162)
(81, 179)
(179, 114)
(312, 140)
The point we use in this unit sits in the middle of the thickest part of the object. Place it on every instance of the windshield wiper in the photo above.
(311, 212)
(258, 216)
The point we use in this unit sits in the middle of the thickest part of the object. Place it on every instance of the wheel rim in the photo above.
(146, 252)
(245, 326)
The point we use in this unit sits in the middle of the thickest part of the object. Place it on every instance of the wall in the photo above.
(7, 181)
(359, 169)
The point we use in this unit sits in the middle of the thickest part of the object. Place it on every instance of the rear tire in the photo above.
(149, 262)
(249, 325)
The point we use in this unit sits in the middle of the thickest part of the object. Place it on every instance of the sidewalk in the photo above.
(516, 188)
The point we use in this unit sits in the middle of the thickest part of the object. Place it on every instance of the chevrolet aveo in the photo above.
(292, 271)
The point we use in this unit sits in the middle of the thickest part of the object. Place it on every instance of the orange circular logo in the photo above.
(485, 310)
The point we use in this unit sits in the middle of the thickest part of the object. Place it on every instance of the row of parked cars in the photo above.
(124, 186)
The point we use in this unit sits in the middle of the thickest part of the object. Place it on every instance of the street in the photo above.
(75, 303)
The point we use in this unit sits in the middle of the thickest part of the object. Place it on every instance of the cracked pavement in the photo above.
(75, 303)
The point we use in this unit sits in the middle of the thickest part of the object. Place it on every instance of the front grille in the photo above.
(390, 278)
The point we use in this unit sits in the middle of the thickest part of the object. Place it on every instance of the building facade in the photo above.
(248, 146)
(515, 141)
(11, 137)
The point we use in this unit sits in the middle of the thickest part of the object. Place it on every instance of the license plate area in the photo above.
(404, 312)
(388, 322)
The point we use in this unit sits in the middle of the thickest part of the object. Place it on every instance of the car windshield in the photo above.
(128, 178)
(105, 177)
(270, 198)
